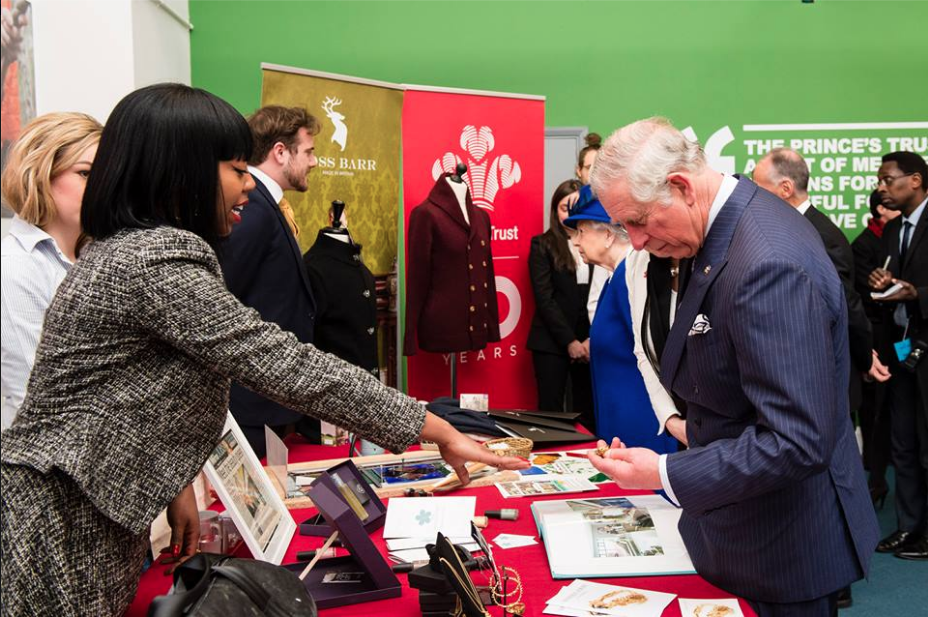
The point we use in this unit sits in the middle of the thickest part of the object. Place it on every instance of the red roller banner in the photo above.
(501, 140)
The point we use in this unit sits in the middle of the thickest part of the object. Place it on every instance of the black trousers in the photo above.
(820, 607)
(553, 373)
(874, 415)
(909, 426)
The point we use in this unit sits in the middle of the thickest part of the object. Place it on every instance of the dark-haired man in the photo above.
(261, 260)
(903, 185)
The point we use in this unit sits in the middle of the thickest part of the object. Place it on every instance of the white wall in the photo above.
(91, 53)
(161, 44)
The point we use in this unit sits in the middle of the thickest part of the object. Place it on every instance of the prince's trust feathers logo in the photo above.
(484, 178)
(340, 136)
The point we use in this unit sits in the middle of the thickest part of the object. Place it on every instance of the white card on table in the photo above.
(424, 517)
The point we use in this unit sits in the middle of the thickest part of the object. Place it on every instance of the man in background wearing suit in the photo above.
(261, 260)
(774, 499)
(785, 173)
(903, 186)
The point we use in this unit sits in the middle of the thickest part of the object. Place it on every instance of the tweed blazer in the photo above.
(131, 381)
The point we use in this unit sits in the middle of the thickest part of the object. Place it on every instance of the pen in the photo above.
(307, 555)
(886, 263)
(577, 454)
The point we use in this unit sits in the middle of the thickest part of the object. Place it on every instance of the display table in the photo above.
(530, 561)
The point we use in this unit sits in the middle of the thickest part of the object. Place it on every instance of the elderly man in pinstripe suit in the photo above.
(775, 503)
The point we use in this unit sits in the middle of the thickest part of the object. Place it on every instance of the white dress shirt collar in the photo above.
(804, 206)
(272, 187)
(916, 215)
(29, 236)
(728, 186)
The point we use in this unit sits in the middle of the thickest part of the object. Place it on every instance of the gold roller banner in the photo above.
(359, 156)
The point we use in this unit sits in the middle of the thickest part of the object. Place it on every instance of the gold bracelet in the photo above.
(516, 606)
(714, 610)
(620, 597)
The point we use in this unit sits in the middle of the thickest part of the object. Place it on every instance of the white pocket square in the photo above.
(700, 326)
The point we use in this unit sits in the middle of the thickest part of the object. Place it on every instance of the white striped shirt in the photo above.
(33, 267)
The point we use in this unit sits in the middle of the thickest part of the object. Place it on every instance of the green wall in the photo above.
(703, 64)
(601, 64)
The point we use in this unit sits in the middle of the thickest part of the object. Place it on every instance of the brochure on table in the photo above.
(250, 499)
(611, 536)
(583, 598)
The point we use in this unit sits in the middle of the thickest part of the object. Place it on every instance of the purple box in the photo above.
(376, 580)
(348, 473)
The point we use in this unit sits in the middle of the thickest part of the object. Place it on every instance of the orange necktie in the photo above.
(287, 211)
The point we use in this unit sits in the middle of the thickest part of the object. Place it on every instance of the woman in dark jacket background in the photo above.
(559, 338)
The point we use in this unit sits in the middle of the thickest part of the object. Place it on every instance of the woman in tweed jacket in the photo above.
(131, 381)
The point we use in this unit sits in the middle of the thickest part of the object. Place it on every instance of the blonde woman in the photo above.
(43, 183)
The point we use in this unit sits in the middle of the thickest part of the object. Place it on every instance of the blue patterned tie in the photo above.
(906, 231)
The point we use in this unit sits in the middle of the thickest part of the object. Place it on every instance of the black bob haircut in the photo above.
(876, 200)
(158, 162)
(909, 163)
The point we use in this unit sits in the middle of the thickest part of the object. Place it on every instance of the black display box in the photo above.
(348, 473)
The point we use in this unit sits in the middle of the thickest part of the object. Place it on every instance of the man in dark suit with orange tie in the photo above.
(774, 499)
(261, 261)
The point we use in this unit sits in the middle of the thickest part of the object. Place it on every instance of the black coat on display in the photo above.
(263, 267)
(560, 303)
(346, 299)
(450, 287)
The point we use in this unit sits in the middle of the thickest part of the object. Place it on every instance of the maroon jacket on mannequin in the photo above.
(450, 288)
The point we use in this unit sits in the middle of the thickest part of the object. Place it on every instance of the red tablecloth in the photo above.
(530, 561)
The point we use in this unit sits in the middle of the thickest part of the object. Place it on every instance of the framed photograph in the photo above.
(249, 496)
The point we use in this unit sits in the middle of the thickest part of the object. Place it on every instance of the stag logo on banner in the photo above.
(484, 177)
(340, 136)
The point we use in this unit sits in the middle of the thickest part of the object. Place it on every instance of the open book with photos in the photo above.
(612, 536)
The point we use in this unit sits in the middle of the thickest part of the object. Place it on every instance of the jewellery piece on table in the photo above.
(509, 599)
(471, 604)
(717, 607)
(621, 597)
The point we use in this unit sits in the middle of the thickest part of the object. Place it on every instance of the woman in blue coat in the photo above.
(621, 402)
